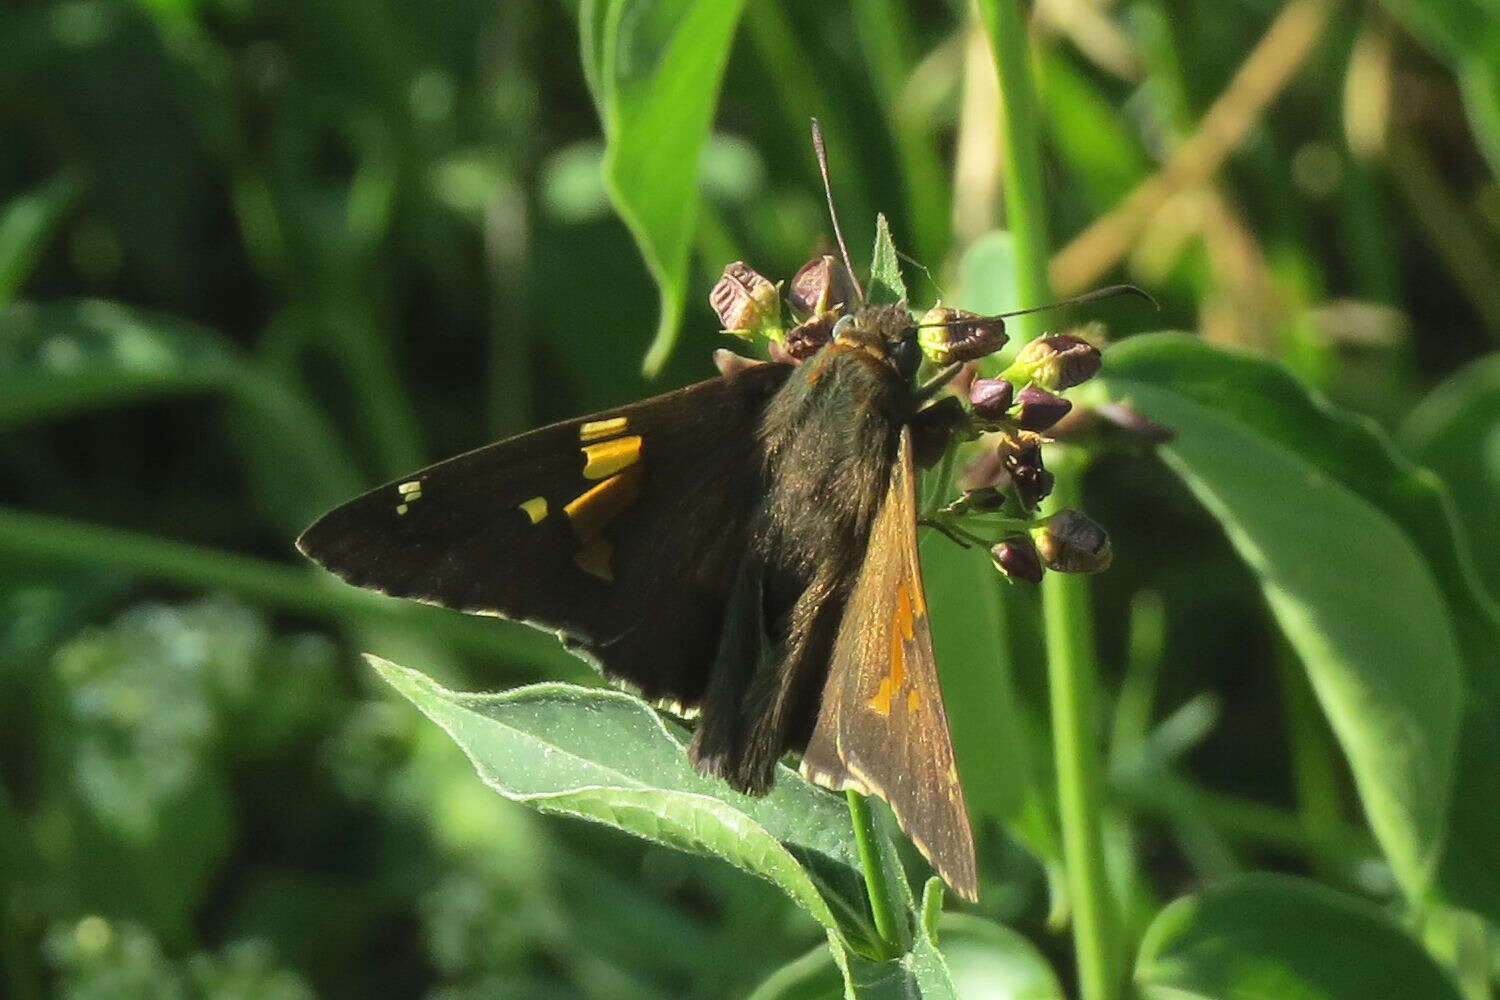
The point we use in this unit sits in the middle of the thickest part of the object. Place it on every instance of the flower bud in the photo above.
(949, 335)
(990, 397)
(1017, 559)
(1032, 481)
(804, 339)
(1058, 361)
(1071, 542)
(747, 303)
(821, 285)
(1037, 409)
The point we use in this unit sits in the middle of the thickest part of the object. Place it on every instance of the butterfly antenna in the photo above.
(838, 233)
(1107, 292)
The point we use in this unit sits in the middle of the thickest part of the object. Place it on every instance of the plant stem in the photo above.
(1072, 672)
(1072, 676)
(881, 908)
(1025, 207)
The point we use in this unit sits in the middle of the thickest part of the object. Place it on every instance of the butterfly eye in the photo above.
(844, 327)
(906, 356)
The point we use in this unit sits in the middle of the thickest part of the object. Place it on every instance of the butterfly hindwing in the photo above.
(881, 728)
(621, 530)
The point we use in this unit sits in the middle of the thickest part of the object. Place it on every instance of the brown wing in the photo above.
(881, 728)
(621, 530)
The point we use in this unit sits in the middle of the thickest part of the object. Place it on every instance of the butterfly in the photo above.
(743, 549)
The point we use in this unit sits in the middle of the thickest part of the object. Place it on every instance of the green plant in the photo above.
(255, 256)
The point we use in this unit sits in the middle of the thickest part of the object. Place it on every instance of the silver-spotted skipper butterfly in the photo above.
(745, 547)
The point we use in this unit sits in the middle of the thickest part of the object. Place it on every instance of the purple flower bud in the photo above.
(1071, 542)
(949, 335)
(821, 285)
(1059, 361)
(1017, 559)
(804, 339)
(990, 397)
(746, 301)
(1032, 481)
(1037, 409)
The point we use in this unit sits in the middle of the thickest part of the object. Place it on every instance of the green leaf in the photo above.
(1297, 488)
(1261, 936)
(654, 70)
(885, 267)
(1455, 432)
(606, 756)
(25, 224)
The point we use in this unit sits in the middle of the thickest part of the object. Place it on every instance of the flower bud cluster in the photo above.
(1013, 412)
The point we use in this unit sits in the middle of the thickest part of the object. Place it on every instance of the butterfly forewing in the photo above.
(881, 728)
(620, 530)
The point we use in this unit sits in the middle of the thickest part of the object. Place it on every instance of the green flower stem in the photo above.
(57, 543)
(1072, 677)
(887, 924)
(1065, 599)
(1025, 207)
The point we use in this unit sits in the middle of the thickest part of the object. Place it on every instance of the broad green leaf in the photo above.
(654, 70)
(25, 224)
(1292, 484)
(886, 284)
(1455, 432)
(65, 358)
(987, 285)
(1258, 937)
(606, 756)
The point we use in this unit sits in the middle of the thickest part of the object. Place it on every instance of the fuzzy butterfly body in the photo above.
(744, 547)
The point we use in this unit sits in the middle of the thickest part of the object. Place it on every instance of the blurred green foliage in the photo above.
(256, 255)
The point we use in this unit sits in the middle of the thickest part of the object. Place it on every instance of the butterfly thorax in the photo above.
(829, 437)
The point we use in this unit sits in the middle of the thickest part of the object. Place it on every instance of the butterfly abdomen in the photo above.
(828, 438)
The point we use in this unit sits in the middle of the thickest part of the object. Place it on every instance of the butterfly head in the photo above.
(885, 332)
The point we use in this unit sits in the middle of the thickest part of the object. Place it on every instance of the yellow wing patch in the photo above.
(608, 457)
(535, 508)
(902, 631)
(410, 493)
(598, 430)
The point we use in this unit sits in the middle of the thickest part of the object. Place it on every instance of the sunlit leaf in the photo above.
(606, 756)
(886, 284)
(654, 70)
(1352, 590)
